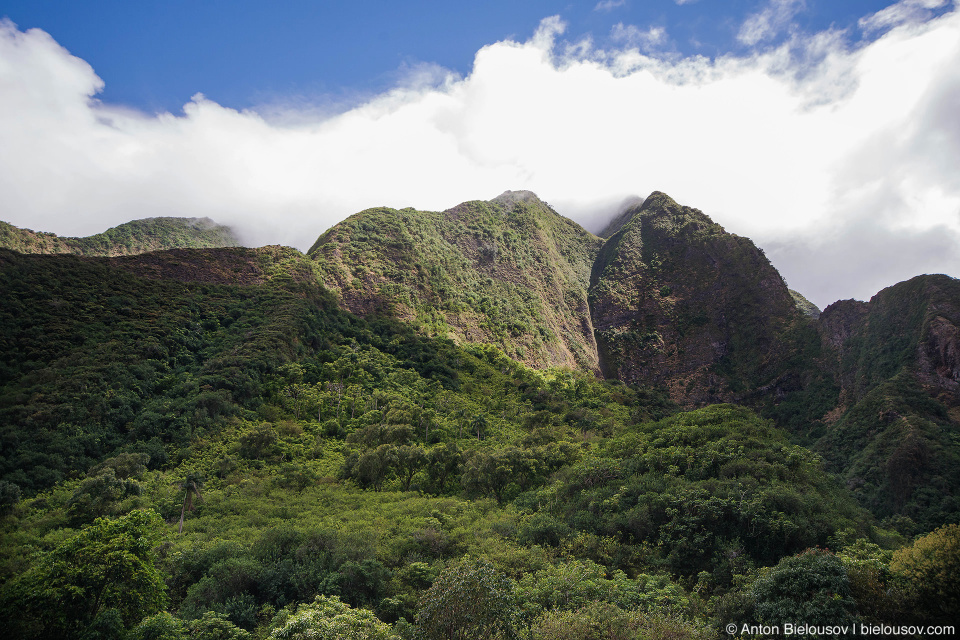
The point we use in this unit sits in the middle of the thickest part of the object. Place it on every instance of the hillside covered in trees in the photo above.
(138, 236)
(479, 423)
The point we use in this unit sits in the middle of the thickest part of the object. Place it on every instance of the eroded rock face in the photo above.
(911, 328)
(938, 358)
(839, 321)
(669, 299)
(678, 301)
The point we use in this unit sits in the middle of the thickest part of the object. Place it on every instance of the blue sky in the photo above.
(244, 53)
(825, 131)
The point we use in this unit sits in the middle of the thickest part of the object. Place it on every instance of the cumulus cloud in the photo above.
(839, 159)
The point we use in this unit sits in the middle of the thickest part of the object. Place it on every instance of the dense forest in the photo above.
(209, 443)
(138, 236)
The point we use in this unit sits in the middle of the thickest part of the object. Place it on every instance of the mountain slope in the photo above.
(678, 301)
(509, 271)
(138, 236)
(100, 352)
(358, 458)
(895, 435)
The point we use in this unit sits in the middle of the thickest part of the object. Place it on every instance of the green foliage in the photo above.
(100, 495)
(604, 621)
(878, 596)
(211, 626)
(811, 587)
(160, 626)
(190, 485)
(139, 236)
(717, 488)
(510, 272)
(573, 585)
(469, 600)
(108, 566)
(215, 626)
(352, 468)
(9, 496)
(327, 618)
(899, 451)
(930, 567)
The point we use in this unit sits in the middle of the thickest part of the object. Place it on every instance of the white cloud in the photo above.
(609, 5)
(905, 11)
(770, 22)
(643, 39)
(841, 162)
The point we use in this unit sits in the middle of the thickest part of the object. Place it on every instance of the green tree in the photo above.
(811, 587)
(215, 626)
(190, 486)
(371, 468)
(9, 496)
(161, 626)
(107, 566)
(479, 425)
(327, 618)
(571, 585)
(604, 621)
(124, 465)
(469, 600)
(499, 474)
(443, 463)
(931, 569)
(409, 460)
(878, 596)
(99, 495)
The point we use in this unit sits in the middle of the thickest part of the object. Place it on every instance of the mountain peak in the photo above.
(510, 198)
(625, 213)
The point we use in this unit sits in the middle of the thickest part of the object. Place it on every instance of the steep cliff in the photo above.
(678, 301)
(508, 271)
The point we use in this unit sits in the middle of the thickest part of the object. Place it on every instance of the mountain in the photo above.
(509, 271)
(895, 433)
(678, 301)
(485, 411)
(139, 236)
(670, 301)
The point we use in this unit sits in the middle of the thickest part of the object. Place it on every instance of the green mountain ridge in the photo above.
(138, 236)
(481, 422)
(678, 301)
(895, 431)
(675, 303)
(510, 271)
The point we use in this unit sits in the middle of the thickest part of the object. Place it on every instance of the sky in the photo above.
(827, 132)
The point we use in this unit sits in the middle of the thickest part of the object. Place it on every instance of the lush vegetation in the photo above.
(206, 445)
(149, 234)
(897, 445)
(509, 271)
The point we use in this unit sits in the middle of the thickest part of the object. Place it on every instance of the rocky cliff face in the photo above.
(678, 301)
(909, 327)
(669, 299)
(895, 434)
